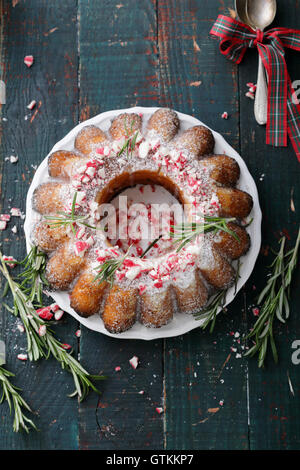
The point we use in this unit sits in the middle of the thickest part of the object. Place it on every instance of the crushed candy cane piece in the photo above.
(225, 115)
(144, 149)
(78, 333)
(54, 307)
(159, 410)
(28, 60)
(249, 95)
(21, 328)
(22, 357)
(134, 362)
(5, 217)
(80, 247)
(117, 368)
(221, 402)
(14, 229)
(58, 314)
(255, 311)
(10, 258)
(141, 392)
(66, 346)
(45, 313)
(31, 105)
(15, 212)
(2, 225)
(13, 159)
(42, 330)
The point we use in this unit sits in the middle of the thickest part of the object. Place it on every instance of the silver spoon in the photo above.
(258, 14)
(241, 9)
(261, 14)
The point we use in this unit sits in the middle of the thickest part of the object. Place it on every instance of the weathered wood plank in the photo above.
(274, 413)
(29, 28)
(118, 69)
(205, 384)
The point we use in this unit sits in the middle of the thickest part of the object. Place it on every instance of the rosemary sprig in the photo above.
(186, 232)
(275, 302)
(218, 301)
(64, 219)
(45, 345)
(129, 145)
(150, 246)
(32, 278)
(211, 310)
(108, 269)
(11, 394)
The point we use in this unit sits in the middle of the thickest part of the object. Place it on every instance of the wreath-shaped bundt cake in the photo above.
(112, 277)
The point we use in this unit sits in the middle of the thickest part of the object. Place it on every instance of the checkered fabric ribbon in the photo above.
(283, 106)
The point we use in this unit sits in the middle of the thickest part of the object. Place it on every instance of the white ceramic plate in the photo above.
(181, 323)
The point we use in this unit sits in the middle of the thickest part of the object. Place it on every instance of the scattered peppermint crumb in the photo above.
(66, 346)
(42, 330)
(54, 307)
(236, 335)
(10, 258)
(14, 229)
(117, 368)
(28, 60)
(221, 402)
(31, 105)
(238, 355)
(222, 381)
(21, 328)
(134, 362)
(159, 410)
(13, 159)
(141, 392)
(58, 314)
(15, 212)
(225, 115)
(255, 311)
(2, 225)
(233, 349)
(22, 357)
(249, 95)
(78, 333)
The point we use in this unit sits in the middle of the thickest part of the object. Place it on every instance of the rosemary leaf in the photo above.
(43, 346)
(108, 269)
(187, 232)
(11, 394)
(274, 301)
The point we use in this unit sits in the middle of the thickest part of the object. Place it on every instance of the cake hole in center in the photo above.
(145, 215)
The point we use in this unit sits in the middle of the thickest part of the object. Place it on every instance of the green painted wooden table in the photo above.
(92, 56)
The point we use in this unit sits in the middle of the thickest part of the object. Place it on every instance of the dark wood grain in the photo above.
(53, 81)
(274, 410)
(211, 380)
(90, 57)
(118, 69)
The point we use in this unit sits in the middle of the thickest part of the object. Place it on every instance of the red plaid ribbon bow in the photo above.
(283, 106)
